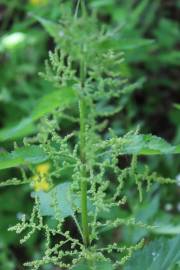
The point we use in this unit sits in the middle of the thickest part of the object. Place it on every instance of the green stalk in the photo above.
(84, 210)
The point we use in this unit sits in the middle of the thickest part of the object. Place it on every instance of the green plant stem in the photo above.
(82, 112)
(84, 210)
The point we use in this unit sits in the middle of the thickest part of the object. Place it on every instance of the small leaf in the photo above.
(160, 254)
(22, 156)
(59, 200)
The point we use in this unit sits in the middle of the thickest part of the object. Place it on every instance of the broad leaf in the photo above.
(59, 98)
(147, 145)
(167, 229)
(59, 201)
(21, 129)
(160, 254)
(99, 265)
(22, 156)
(52, 28)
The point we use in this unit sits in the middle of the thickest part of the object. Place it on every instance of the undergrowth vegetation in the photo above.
(86, 183)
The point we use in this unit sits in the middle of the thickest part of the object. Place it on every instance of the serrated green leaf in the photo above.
(160, 254)
(52, 28)
(99, 265)
(59, 200)
(19, 130)
(22, 156)
(147, 145)
(172, 58)
(138, 11)
(126, 44)
(60, 98)
(167, 229)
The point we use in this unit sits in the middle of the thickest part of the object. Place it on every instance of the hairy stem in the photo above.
(82, 112)
(84, 211)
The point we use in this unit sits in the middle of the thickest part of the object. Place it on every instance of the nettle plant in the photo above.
(77, 175)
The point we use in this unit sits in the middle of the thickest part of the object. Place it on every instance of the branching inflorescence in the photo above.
(84, 159)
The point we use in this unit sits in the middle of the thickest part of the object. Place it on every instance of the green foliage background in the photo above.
(149, 37)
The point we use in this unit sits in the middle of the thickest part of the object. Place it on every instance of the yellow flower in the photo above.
(42, 185)
(43, 168)
(37, 2)
(40, 179)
